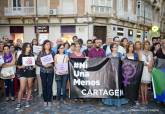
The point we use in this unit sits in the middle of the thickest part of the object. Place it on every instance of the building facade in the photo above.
(52, 19)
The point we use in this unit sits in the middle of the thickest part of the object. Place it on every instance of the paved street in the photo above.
(79, 108)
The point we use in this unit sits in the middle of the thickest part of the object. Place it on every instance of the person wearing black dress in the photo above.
(27, 74)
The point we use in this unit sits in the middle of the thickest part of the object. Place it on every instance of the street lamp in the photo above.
(36, 20)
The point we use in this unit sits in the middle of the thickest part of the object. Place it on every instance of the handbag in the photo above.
(8, 73)
(61, 68)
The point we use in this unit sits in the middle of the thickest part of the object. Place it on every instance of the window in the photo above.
(138, 34)
(16, 3)
(101, 6)
(130, 32)
(68, 7)
(139, 8)
(120, 7)
(106, 3)
(120, 31)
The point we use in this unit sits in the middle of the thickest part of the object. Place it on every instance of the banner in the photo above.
(131, 72)
(158, 80)
(95, 78)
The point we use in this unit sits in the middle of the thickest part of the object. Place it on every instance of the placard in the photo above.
(42, 38)
(28, 61)
(37, 49)
(47, 59)
(1, 60)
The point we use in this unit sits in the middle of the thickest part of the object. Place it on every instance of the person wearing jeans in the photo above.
(9, 63)
(61, 84)
(46, 72)
(47, 82)
(9, 83)
(61, 71)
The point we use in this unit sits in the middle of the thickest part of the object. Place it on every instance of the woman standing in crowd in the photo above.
(61, 71)
(16, 80)
(130, 52)
(71, 49)
(46, 71)
(77, 53)
(138, 49)
(161, 52)
(27, 74)
(132, 55)
(147, 57)
(155, 49)
(124, 43)
(9, 62)
(37, 82)
(115, 101)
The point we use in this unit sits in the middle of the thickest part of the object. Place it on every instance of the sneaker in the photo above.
(137, 103)
(45, 104)
(49, 104)
(18, 106)
(12, 98)
(7, 99)
(27, 104)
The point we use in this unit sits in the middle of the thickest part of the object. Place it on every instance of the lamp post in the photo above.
(144, 22)
(36, 20)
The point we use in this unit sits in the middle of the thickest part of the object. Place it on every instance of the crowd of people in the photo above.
(51, 82)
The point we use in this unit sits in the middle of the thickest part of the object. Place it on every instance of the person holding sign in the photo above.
(46, 63)
(61, 70)
(26, 68)
(115, 101)
(8, 72)
(37, 81)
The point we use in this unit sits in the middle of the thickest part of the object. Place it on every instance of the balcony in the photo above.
(127, 16)
(29, 11)
(101, 11)
(19, 11)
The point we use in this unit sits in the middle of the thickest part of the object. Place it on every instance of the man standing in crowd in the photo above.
(96, 51)
(58, 42)
(18, 45)
(80, 41)
(120, 48)
(107, 46)
(89, 46)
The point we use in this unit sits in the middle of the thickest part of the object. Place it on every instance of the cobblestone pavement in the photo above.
(88, 107)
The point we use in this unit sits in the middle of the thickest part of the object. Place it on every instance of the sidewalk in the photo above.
(79, 108)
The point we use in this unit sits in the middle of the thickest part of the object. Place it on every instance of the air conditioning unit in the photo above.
(53, 11)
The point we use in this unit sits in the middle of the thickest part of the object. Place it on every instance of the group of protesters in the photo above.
(51, 82)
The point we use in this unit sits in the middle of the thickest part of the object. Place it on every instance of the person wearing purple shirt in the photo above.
(96, 51)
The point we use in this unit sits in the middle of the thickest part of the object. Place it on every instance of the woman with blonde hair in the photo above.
(147, 58)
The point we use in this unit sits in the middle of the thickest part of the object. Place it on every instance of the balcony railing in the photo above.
(101, 10)
(19, 11)
(127, 16)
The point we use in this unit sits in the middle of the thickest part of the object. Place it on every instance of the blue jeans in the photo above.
(61, 85)
(9, 86)
(47, 82)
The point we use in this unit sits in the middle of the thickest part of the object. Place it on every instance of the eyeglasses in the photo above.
(61, 48)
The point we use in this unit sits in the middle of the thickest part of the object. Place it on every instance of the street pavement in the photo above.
(87, 107)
